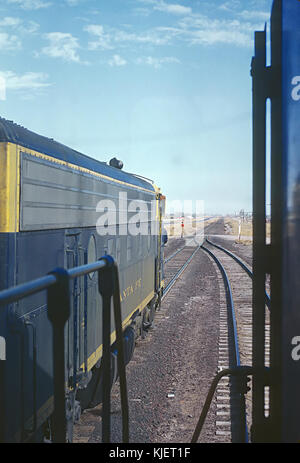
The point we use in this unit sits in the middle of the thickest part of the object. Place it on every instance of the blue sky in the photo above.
(163, 85)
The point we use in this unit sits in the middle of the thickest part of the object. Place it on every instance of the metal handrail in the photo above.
(8, 296)
(58, 310)
(241, 372)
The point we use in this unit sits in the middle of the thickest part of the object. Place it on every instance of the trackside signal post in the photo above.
(281, 259)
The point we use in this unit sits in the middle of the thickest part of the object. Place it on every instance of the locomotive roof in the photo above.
(14, 133)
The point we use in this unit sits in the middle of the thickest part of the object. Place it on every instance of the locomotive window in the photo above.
(92, 253)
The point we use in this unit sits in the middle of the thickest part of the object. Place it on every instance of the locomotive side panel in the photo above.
(55, 204)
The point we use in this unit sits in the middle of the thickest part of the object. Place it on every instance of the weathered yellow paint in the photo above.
(9, 188)
(156, 188)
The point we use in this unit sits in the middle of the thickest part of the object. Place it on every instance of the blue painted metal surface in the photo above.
(57, 285)
(290, 427)
(24, 325)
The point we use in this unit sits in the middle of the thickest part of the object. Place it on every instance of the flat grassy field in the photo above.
(232, 228)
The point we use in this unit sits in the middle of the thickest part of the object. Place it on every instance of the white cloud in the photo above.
(29, 80)
(192, 28)
(62, 45)
(30, 4)
(173, 8)
(117, 60)
(102, 41)
(254, 15)
(72, 2)
(230, 5)
(9, 21)
(27, 85)
(254, 11)
(201, 30)
(140, 11)
(9, 42)
(31, 27)
(153, 37)
(28, 27)
(108, 40)
(157, 62)
(212, 37)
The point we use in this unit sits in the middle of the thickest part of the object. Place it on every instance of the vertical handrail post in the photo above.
(58, 298)
(106, 289)
(120, 358)
(259, 229)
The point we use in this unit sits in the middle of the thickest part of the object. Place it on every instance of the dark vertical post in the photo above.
(2, 389)
(58, 314)
(277, 219)
(120, 358)
(259, 229)
(34, 376)
(106, 289)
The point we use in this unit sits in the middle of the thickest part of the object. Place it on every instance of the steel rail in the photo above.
(190, 237)
(244, 266)
(174, 254)
(178, 274)
(231, 311)
(230, 303)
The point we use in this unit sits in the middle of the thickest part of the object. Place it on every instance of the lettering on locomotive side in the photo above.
(296, 89)
(296, 350)
(131, 289)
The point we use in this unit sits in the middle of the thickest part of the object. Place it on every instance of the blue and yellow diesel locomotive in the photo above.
(49, 218)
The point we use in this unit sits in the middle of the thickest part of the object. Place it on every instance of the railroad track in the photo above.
(175, 266)
(235, 342)
(176, 263)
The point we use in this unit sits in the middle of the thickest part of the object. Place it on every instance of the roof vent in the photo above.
(114, 162)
